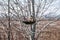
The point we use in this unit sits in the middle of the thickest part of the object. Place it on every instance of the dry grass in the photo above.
(52, 32)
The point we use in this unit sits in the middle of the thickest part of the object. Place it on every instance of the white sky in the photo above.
(55, 5)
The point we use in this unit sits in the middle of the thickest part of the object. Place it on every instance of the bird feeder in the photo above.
(29, 20)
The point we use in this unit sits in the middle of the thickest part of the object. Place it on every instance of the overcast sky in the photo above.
(55, 5)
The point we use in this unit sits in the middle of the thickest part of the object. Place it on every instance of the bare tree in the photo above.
(17, 10)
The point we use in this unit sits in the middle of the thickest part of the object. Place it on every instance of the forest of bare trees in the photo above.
(24, 20)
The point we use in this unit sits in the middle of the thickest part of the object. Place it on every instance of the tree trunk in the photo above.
(8, 20)
(33, 26)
